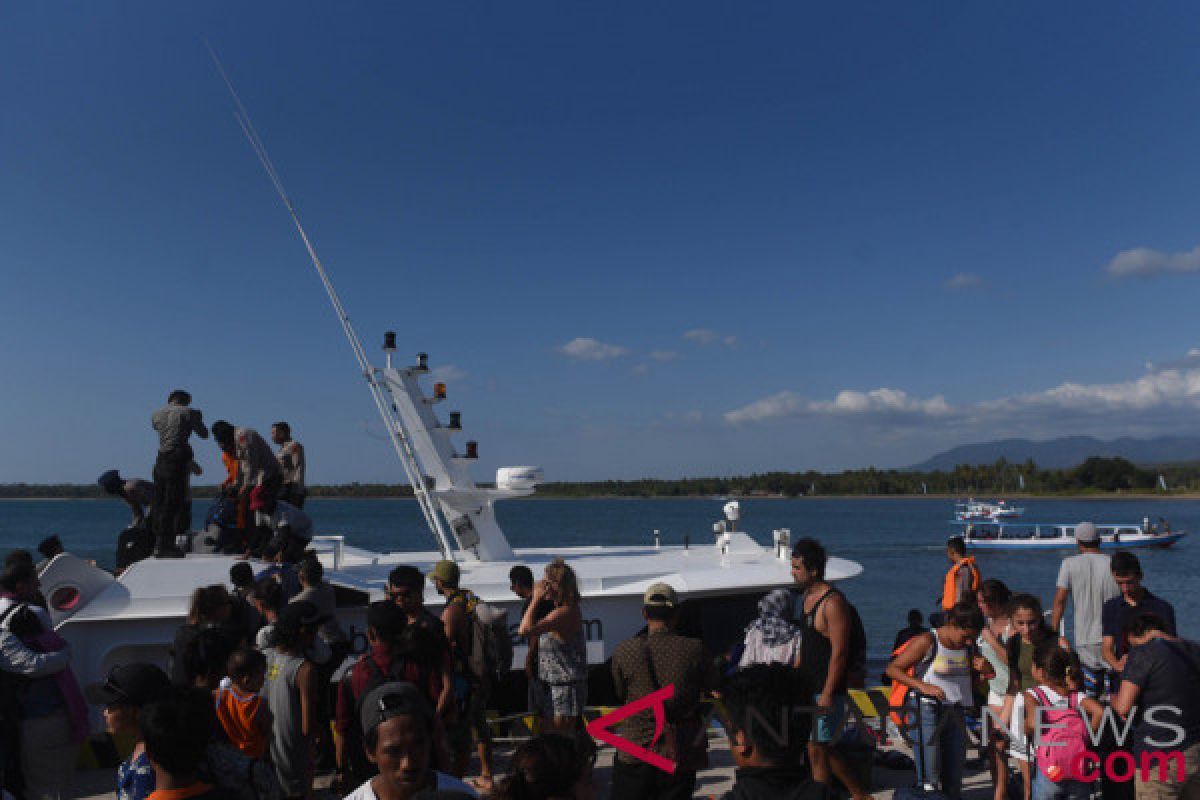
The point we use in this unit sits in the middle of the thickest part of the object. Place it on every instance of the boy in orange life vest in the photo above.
(963, 579)
(241, 710)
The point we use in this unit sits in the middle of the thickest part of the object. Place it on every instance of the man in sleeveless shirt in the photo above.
(824, 658)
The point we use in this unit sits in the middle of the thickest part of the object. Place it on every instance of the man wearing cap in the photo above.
(396, 652)
(122, 696)
(470, 694)
(172, 508)
(398, 728)
(1087, 579)
(655, 659)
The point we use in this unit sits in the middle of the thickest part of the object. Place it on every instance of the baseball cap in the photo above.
(130, 684)
(445, 571)
(660, 595)
(1086, 532)
(393, 700)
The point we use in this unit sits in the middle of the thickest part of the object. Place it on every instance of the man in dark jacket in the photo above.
(768, 736)
(648, 662)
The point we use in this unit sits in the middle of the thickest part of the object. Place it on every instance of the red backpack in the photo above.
(1063, 735)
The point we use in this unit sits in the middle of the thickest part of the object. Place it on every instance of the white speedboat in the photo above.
(982, 511)
(999, 535)
(720, 574)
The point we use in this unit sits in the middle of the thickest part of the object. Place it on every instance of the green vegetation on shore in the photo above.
(1094, 476)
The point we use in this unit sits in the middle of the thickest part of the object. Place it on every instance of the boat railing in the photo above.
(335, 545)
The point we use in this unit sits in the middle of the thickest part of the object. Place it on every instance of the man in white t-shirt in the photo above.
(397, 726)
(1088, 580)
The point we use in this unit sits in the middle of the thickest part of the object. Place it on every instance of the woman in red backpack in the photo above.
(1064, 735)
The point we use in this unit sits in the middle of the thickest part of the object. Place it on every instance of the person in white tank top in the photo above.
(940, 668)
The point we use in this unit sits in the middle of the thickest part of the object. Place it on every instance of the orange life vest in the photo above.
(950, 590)
(899, 692)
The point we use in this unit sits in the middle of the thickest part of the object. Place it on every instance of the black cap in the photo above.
(131, 685)
(393, 700)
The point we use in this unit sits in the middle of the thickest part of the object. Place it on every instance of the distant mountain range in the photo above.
(1067, 452)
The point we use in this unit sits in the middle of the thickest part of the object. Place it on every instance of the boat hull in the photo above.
(1065, 543)
(135, 617)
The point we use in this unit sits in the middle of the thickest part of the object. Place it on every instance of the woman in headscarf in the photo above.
(772, 638)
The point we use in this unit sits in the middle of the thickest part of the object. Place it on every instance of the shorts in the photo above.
(827, 726)
(559, 699)
(472, 723)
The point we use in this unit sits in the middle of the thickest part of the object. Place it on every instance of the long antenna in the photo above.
(387, 410)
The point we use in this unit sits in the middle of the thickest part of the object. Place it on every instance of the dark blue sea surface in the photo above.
(899, 542)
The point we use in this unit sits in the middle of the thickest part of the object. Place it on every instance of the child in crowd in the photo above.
(1056, 706)
(767, 736)
(550, 767)
(994, 598)
(177, 729)
(941, 667)
(398, 727)
(1029, 623)
(123, 696)
(241, 710)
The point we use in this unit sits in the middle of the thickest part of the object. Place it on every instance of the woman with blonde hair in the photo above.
(562, 649)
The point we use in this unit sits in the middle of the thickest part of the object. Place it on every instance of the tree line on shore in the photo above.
(1095, 475)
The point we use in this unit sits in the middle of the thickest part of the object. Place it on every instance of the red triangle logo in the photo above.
(599, 727)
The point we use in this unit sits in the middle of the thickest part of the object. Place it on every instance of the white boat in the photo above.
(982, 510)
(720, 574)
(1000, 535)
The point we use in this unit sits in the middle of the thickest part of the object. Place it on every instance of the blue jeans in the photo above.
(1046, 789)
(941, 752)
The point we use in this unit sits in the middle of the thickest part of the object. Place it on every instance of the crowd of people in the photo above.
(264, 690)
(260, 508)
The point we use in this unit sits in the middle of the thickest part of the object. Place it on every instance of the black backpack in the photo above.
(359, 769)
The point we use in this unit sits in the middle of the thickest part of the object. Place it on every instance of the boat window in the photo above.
(64, 598)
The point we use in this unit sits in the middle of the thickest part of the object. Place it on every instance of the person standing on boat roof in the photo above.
(259, 475)
(171, 510)
(962, 579)
(291, 461)
(1087, 579)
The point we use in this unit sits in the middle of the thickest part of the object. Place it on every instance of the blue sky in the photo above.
(665, 240)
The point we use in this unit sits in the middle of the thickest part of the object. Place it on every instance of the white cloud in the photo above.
(701, 335)
(448, 372)
(663, 355)
(1168, 395)
(708, 336)
(640, 369)
(1145, 262)
(963, 280)
(584, 348)
(848, 402)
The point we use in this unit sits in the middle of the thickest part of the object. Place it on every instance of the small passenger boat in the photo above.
(982, 510)
(1000, 535)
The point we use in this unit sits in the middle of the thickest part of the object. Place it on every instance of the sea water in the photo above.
(899, 542)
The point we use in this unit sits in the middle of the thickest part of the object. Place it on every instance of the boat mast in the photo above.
(387, 409)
